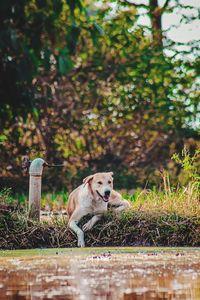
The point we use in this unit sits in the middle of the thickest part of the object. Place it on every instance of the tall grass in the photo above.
(180, 200)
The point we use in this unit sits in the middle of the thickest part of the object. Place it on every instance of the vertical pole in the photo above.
(35, 183)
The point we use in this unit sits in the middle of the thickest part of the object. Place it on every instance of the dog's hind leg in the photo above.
(73, 221)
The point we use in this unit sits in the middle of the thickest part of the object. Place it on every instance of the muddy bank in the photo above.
(128, 229)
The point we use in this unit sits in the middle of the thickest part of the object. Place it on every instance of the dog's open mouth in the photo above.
(105, 198)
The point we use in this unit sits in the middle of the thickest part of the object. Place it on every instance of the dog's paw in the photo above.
(81, 243)
(87, 226)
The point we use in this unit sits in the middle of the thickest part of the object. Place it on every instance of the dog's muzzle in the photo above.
(106, 196)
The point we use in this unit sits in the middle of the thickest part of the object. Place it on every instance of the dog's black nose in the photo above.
(107, 193)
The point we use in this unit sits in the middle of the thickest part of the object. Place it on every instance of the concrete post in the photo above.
(35, 181)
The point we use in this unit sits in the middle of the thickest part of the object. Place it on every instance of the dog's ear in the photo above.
(87, 179)
(111, 173)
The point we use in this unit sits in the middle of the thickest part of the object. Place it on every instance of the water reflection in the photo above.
(135, 276)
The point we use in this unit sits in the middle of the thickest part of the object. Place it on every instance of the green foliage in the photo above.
(36, 37)
(189, 164)
(87, 86)
(65, 64)
(5, 196)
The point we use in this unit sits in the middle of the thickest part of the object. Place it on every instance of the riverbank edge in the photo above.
(102, 251)
(128, 229)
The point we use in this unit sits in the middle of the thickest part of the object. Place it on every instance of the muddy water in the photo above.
(92, 274)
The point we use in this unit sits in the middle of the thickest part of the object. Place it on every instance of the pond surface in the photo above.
(103, 273)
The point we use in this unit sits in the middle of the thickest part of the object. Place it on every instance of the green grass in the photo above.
(5, 197)
(49, 201)
(182, 201)
(98, 251)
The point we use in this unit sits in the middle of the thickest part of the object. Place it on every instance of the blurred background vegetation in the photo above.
(82, 83)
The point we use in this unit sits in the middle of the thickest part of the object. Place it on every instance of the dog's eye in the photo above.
(109, 182)
(99, 182)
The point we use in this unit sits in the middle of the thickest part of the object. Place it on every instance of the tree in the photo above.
(105, 96)
(36, 37)
(155, 12)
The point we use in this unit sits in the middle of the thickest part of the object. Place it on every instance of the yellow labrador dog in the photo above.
(92, 197)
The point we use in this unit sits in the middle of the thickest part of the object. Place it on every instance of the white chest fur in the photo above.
(87, 202)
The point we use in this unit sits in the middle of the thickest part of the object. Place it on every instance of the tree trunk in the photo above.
(155, 13)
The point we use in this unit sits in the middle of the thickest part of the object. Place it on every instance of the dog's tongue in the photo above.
(106, 198)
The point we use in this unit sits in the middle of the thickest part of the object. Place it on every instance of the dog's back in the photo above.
(72, 201)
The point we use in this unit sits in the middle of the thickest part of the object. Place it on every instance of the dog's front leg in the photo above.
(73, 221)
(123, 205)
(119, 204)
(87, 226)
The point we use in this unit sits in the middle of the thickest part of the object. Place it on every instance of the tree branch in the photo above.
(134, 4)
(165, 5)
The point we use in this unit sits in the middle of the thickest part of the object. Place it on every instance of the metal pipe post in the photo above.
(35, 182)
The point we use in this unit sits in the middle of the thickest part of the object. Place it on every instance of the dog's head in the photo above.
(100, 184)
